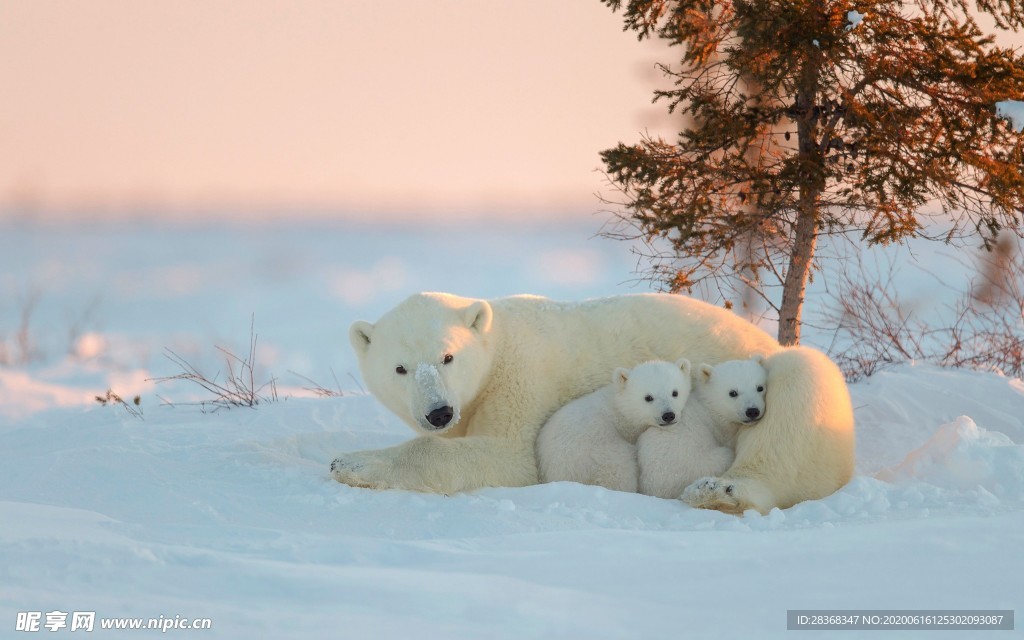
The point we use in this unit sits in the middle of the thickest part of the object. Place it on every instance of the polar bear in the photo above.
(592, 439)
(701, 441)
(797, 448)
(495, 371)
(733, 392)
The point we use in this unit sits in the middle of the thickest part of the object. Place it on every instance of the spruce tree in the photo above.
(814, 117)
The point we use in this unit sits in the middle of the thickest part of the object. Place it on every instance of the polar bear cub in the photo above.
(702, 441)
(592, 440)
(734, 393)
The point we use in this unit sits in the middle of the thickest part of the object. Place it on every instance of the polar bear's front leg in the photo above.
(441, 465)
(730, 495)
(366, 469)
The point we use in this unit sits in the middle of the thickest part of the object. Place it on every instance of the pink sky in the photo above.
(418, 105)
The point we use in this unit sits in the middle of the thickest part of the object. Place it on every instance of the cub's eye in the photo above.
(733, 394)
(447, 358)
(400, 370)
(675, 394)
(760, 389)
(649, 398)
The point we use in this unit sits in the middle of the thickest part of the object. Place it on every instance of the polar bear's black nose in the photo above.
(753, 413)
(440, 416)
(667, 417)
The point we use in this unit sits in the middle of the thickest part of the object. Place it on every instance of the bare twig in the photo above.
(239, 387)
(320, 390)
(112, 399)
(23, 348)
(986, 329)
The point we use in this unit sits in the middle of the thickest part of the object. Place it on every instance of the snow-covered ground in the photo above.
(231, 515)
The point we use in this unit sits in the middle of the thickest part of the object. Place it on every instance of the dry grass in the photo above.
(112, 399)
(318, 389)
(237, 386)
(21, 348)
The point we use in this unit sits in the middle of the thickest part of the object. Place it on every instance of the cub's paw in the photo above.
(713, 493)
(363, 469)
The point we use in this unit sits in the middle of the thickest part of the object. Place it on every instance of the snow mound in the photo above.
(962, 456)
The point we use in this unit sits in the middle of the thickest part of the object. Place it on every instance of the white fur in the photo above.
(592, 439)
(716, 384)
(700, 442)
(801, 450)
(517, 360)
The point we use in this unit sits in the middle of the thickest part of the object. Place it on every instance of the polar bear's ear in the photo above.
(620, 377)
(684, 366)
(705, 372)
(759, 359)
(478, 316)
(359, 335)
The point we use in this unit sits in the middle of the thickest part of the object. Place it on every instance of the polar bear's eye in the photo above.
(675, 394)
(733, 394)
(447, 358)
(649, 398)
(760, 389)
(400, 370)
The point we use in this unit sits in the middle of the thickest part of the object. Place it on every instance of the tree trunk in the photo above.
(811, 186)
(749, 247)
(799, 267)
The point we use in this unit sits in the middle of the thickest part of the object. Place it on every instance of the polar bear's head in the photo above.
(427, 358)
(734, 391)
(653, 393)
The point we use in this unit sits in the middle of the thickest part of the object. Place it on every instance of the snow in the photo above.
(1012, 110)
(430, 384)
(853, 17)
(961, 456)
(232, 515)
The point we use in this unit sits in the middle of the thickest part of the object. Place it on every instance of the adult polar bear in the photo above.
(478, 378)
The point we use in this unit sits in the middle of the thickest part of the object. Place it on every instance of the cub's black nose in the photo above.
(753, 413)
(667, 417)
(440, 416)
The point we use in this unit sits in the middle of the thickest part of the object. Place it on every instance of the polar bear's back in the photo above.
(577, 345)
(648, 319)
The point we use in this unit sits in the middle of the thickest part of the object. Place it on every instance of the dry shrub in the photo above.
(985, 329)
(236, 387)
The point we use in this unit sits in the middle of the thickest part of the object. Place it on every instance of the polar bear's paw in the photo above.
(363, 469)
(713, 493)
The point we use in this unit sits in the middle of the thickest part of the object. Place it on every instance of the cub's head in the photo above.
(653, 393)
(427, 358)
(734, 391)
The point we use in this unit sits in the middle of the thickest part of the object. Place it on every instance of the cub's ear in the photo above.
(479, 316)
(359, 335)
(705, 372)
(684, 366)
(620, 377)
(759, 359)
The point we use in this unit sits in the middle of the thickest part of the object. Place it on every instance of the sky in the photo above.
(439, 105)
(443, 107)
